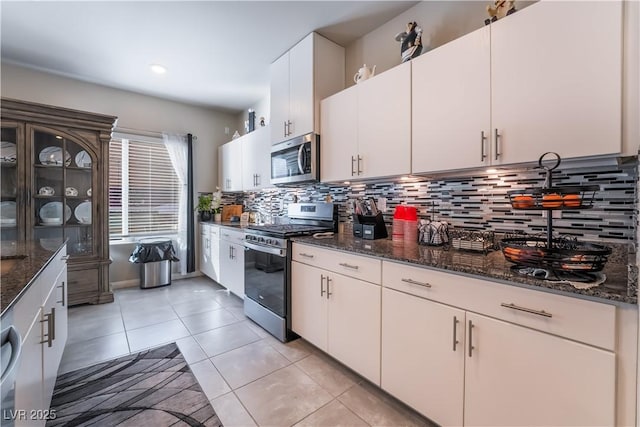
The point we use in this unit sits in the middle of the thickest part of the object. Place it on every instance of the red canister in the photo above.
(398, 223)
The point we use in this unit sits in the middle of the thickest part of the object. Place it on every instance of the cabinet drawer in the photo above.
(232, 235)
(360, 267)
(204, 228)
(214, 231)
(581, 320)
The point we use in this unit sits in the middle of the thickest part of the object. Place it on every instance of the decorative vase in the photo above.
(205, 216)
(218, 217)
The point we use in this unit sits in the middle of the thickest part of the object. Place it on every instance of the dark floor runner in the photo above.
(152, 388)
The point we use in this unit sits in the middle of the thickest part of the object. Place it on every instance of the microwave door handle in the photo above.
(300, 159)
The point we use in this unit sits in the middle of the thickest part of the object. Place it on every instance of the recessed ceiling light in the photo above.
(158, 69)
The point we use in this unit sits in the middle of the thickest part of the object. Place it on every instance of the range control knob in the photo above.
(269, 242)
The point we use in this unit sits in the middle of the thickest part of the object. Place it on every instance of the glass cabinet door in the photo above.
(11, 227)
(61, 193)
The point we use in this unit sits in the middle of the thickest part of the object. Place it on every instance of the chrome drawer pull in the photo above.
(455, 333)
(527, 310)
(413, 282)
(322, 291)
(62, 301)
(305, 255)
(344, 264)
(471, 347)
(328, 293)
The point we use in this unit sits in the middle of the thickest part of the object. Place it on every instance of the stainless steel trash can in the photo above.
(154, 257)
(154, 274)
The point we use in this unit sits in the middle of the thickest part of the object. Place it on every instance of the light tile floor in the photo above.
(250, 377)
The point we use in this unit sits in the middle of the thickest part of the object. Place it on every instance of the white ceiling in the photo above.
(217, 52)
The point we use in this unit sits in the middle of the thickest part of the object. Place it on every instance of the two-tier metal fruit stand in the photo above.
(562, 258)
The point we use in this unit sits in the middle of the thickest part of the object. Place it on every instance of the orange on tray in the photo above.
(523, 202)
(572, 200)
(551, 200)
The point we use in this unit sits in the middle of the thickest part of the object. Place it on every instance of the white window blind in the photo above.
(144, 189)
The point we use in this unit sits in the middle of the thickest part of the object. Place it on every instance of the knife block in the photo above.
(369, 227)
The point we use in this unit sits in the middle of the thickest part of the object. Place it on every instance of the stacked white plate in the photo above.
(8, 213)
(52, 211)
(52, 156)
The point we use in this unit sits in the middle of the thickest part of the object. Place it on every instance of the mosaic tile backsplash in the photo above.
(479, 201)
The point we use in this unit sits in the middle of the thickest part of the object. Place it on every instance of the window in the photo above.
(144, 189)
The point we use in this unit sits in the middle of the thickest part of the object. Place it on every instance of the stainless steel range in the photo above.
(267, 272)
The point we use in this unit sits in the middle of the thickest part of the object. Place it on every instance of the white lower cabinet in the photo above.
(338, 314)
(423, 355)
(518, 376)
(458, 367)
(210, 251)
(231, 258)
(40, 315)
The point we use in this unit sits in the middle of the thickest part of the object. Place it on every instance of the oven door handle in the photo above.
(272, 251)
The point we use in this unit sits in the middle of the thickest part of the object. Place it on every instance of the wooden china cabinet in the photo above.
(55, 172)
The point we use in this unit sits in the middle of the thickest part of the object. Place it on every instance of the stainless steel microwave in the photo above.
(296, 160)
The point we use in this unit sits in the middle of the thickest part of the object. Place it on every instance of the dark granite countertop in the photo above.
(491, 266)
(18, 273)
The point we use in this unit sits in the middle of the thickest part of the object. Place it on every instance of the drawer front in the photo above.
(231, 235)
(581, 320)
(359, 267)
(204, 228)
(215, 231)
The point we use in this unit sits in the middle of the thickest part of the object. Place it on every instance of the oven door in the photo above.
(296, 160)
(265, 277)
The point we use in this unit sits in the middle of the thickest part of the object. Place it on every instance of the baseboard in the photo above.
(133, 283)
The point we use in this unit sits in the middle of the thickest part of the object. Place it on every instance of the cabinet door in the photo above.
(339, 136)
(12, 196)
(384, 124)
(423, 355)
(354, 324)
(230, 165)
(214, 252)
(205, 251)
(51, 356)
(279, 99)
(301, 100)
(309, 304)
(232, 267)
(518, 376)
(558, 89)
(450, 110)
(28, 390)
(256, 165)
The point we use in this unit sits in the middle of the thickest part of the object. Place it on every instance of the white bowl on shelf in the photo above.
(52, 221)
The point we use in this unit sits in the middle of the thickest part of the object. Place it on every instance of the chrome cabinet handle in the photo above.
(455, 333)
(526, 310)
(359, 159)
(289, 128)
(344, 264)
(353, 170)
(497, 137)
(328, 293)
(471, 347)
(322, 291)
(305, 255)
(482, 141)
(50, 318)
(62, 301)
(285, 128)
(414, 282)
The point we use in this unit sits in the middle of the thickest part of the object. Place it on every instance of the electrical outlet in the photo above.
(555, 214)
(382, 204)
(226, 130)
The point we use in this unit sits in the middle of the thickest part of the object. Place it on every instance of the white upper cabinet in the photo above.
(256, 160)
(511, 91)
(557, 82)
(230, 166)
(339, 143)
(366, 129)
(451, 105)
(310, 71)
